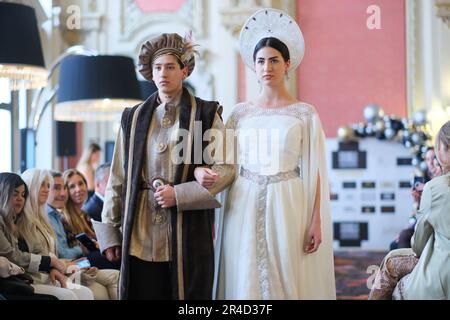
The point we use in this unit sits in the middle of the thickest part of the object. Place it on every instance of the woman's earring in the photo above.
(287, 75)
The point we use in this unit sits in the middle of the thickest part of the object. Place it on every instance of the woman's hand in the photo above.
(57, 264)
(56, 276)
(313, 237)
(205, 176)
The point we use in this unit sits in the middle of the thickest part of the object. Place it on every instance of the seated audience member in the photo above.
(93, 207)
(55, 204)
(76, 221)
(47, 269)
(40, 238)
(403, 240)
(423, 272)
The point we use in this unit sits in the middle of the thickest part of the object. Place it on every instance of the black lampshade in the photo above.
(96, 87)
(147, 88)
(21, 55)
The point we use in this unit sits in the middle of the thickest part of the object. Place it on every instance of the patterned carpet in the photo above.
(354, 270)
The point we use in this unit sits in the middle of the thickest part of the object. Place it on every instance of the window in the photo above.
(5, 125)
(5, 140)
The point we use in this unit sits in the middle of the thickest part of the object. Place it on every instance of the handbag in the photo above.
(16, 285)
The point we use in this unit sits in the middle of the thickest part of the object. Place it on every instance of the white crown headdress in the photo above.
(274, 23)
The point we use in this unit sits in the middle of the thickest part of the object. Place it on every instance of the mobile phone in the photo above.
(83, 263)
(418, 181)
(86, 241)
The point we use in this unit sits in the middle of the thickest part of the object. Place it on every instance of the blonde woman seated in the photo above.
(423, 272)
(40, 237)
(46, 269)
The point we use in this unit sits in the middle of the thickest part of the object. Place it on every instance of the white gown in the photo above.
(262, 249)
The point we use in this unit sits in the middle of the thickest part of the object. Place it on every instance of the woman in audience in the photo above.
(423, 272)
(41, 239)
(87, 165)
(76, 221)
(50, 269)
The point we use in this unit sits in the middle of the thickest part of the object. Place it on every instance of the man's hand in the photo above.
(56, 276)
(165, 196)
(205, 176)
(113, 254)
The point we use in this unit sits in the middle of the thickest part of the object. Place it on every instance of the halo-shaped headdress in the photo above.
(274, 23)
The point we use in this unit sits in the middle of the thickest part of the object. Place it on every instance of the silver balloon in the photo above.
(372, 113)
(420, 118)
(423, 166)
(389, 133)
(415, 162)
(405, 122)
(406, 134)
(369, 129)
(408, 144)
(416, 138)
(361, 129)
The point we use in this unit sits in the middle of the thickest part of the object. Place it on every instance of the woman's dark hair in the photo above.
(272, 43)
(9, 182)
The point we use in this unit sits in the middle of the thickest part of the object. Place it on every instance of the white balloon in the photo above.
(420, 118)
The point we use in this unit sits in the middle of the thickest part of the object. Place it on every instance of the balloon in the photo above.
(420, 118)
(416, 138)
(372, 112)
(406, 134)
(405, 123)
(369, 129)
(423, 166)
(379, 126)
(397, 124)
(345, 133)
(389, 133)
(361, 130)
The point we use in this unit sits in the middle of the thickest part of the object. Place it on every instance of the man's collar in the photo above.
(175, 101)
